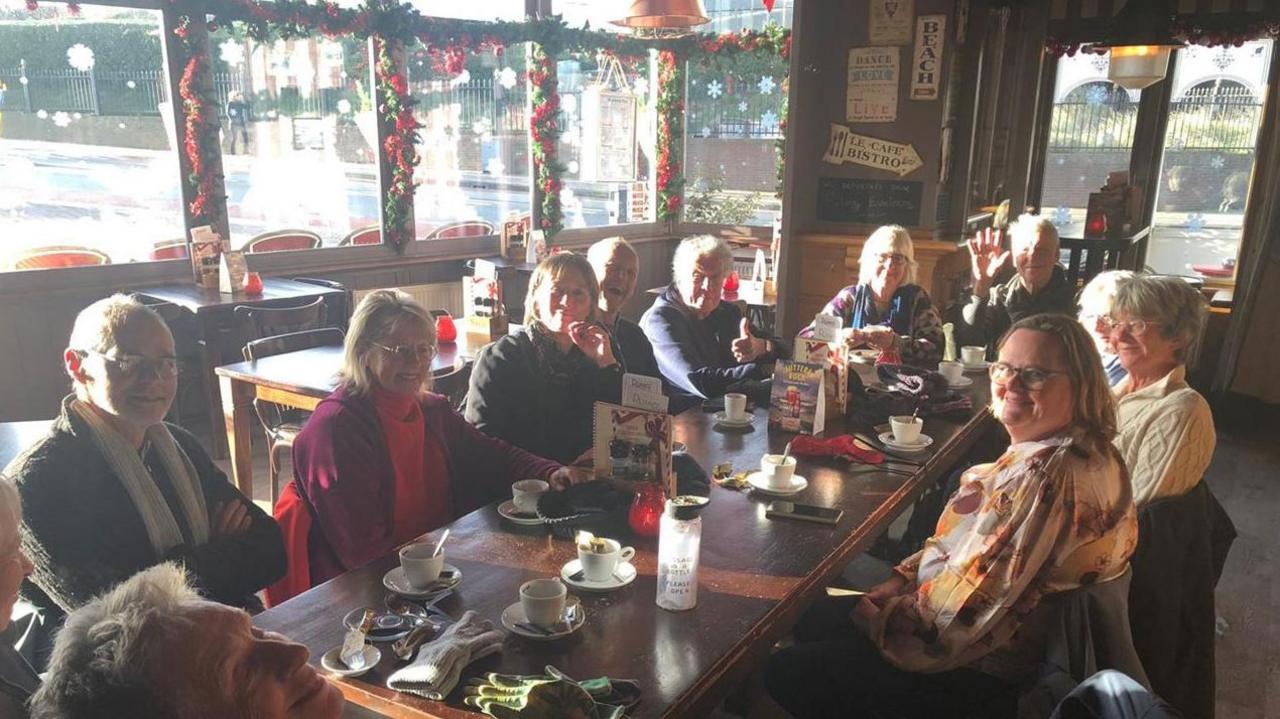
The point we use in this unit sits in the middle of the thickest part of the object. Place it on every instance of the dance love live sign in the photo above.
(846, 146)
(926, 67)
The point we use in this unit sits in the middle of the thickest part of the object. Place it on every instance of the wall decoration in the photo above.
(872, 94)
(869, 202)
(846, 146)
(926, 65)
(890, 22)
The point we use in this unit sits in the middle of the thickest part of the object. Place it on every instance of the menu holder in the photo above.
(486, 316)
(206, 246)
(646, 437)
(834, 356)
(797, 400)
(514, 240)
(231, 272)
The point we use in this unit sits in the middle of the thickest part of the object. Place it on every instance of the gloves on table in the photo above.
(550, 696)
(440, 662)
(839, 446)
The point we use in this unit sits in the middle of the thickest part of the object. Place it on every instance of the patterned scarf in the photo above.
(560, 368)
(901, 309)
(125, 462)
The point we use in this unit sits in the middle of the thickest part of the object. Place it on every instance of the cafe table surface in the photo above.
(756, 577)
(297, 379)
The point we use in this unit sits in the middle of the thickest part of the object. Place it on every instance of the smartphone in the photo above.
(805, 512)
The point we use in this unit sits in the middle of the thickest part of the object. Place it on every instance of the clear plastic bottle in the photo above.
(679, 541)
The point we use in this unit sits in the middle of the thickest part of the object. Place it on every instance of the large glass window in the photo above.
(88, 170)
(472, 9)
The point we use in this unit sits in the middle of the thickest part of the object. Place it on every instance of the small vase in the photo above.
(646, 509)
(446, 330)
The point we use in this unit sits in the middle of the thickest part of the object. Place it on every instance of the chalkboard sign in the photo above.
(869, 202)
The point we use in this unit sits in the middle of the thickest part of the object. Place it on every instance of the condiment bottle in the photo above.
(679, 542)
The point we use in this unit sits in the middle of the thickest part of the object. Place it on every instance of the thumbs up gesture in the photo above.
(747, 348)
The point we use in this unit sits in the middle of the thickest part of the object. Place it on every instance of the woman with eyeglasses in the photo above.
(382, 460)
(1054, 513)
(114, 489)
(1166, 428)
(1096, 300)
(887, 304)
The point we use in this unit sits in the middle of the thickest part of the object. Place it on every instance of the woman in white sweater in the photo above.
(1166, 428)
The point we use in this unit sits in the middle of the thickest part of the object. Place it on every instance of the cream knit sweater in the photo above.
(1166, 436)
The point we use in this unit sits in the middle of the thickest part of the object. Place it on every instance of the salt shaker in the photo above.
(679, 540)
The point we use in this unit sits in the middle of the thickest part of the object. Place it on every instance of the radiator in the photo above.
(438, 296)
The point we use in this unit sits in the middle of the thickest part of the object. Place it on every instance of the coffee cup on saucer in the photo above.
(906, 429)
(543, 601)
(525, 494)
(952, 371)
(777, 470)
(420, 564)
(973, 355)
(735, 407)
(600, 557)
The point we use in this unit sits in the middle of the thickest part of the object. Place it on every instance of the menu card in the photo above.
(633, 443)
(834, 356)
(796, 402)
(206, 246)
(643, 392)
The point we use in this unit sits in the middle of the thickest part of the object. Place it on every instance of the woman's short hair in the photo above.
(102, 658)
(1028, 226)
(375, 318)
(1099, 295)
(1094, 407)
(691, 249)
(1179, 308)
(98, 326)
(889, 238)
(551, 270)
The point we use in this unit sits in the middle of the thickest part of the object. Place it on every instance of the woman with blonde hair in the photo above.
(537, 388)
(382, 460)
(887, 303)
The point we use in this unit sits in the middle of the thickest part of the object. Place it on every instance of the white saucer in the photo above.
(514, 614)
(623, 574)
(962, 382)
(886, 438)
(981, 366)
(508, 511)
(396, 582)
(864, 356)
(798, 484)
(334, 665)
(721, 419)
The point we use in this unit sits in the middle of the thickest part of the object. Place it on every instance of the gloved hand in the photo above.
(440, 662)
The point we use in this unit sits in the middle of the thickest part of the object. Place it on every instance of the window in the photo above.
(88, 170)
(472, 9)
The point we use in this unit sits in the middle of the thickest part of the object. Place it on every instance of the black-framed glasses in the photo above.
(409, 353)
(1033, 378)
(1137, 328)
(131, 365)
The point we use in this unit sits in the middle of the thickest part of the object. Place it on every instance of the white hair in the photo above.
(894, 238)
(376, 317)
(1029, 226)
(1097, 297)
(691, 249)
(98, 326)
(101, 657)
(600, 252)
(1179, 308)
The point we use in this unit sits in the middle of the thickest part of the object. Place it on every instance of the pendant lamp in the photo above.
(1140, 42)
(662, 18)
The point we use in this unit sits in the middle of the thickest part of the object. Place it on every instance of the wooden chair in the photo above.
(339, 316)
(281, 424)
(283, 241)
(455, 230)
(170, 250)
(368, 235)
(453, 384)
(58, 256)
(258, 322)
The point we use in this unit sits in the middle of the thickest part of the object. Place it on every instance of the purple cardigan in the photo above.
(343, 467)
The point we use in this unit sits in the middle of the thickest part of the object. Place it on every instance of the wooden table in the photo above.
(15, 437)
(757, 575)
(760, 308)
(219, 332)
(296, 379)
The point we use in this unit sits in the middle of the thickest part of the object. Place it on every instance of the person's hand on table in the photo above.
(585, 460)
(746, 348)
(986, 257)
(230, 519)
(565, 477)
(878, 336)
(594, 342)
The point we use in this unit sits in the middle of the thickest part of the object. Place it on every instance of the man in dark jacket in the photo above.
(703, 346)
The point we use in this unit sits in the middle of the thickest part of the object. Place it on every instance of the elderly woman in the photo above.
(113, 489)
(887, 303)
(152, 648)
(382, 460)
(705, 347)
(1166, 428)
(1038, 286)
(17, 679)
(1096, 300)
(1054, 513)
(537, 389)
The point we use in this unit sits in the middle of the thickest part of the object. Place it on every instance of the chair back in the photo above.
(454, 230)
(339, 316)
(58, 256)
(368, 235)
(172, 250)
(293, 342)
(453, 383)
(283, 240)
(258, 322)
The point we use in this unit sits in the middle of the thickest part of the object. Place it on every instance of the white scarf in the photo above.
(125, 462)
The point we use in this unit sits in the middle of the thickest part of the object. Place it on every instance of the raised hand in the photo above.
(594, 342)
(746, 348)
(986, 257)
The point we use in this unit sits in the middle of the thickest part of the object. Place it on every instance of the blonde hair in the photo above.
(375, 318)
(1094, 407)
(1028, 226)
(1097, 297)
(552, 269)
(1179, 308)
(898, 241)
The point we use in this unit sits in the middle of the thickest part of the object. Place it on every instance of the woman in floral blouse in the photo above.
(1054, 513)
(887, 303)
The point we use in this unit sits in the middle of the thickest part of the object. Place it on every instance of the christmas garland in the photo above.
(670, 131)
(1206, 31)
(400, 146)
(544, 128)
(200, 126)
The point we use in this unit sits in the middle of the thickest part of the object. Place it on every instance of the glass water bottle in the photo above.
(679, 539)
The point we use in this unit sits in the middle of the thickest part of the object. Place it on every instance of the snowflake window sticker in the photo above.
(1218, 162)
(80, 57)
(705, 131)
(769, 120)
(1096, 95)
(1194, 221)
(344, 106)
(61, 119)
(231, 52)
(495, 167)
(766, 85)
(507, 78)
(1062, 216)
(641, 87)
(742, 106)
(715, 89)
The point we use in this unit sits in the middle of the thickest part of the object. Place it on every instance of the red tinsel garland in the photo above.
(670, 180)
(544, 130)
(400, 147)
(200, 128)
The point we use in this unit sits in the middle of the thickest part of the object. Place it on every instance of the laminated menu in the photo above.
(796, 402)
(633, 444)
(835, 357)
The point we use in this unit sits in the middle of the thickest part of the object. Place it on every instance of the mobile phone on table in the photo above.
(804, 512)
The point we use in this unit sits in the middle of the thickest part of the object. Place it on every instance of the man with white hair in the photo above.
(153, 649)
(1038, 286)
(705, 347)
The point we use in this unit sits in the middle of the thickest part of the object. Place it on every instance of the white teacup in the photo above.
(525, 494)
(906, 429)
(599, 566)
(777, 473)
(973, 354)
(953, 371)
(420, 568)
(735, 407)
(543, 601)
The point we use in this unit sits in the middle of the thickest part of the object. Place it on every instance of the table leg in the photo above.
(237, 414)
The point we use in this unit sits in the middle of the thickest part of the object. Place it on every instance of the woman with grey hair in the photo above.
(113, 489)
(887, 303)
(705, 347)
(17, 679)
(1096, 300)
(383, 460)
(1166, 428)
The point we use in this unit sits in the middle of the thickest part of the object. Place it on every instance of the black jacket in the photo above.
(633, 350)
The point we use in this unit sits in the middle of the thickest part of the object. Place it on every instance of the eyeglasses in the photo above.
(409, 353)
(891, 257)
(1033, 378)
(130, 365)
(1135, 327)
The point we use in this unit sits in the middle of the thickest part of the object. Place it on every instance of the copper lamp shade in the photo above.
(663, 16)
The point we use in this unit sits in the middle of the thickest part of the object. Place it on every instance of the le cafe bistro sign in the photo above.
(846, 146)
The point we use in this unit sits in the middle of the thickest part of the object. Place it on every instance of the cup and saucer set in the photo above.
(905, 435)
